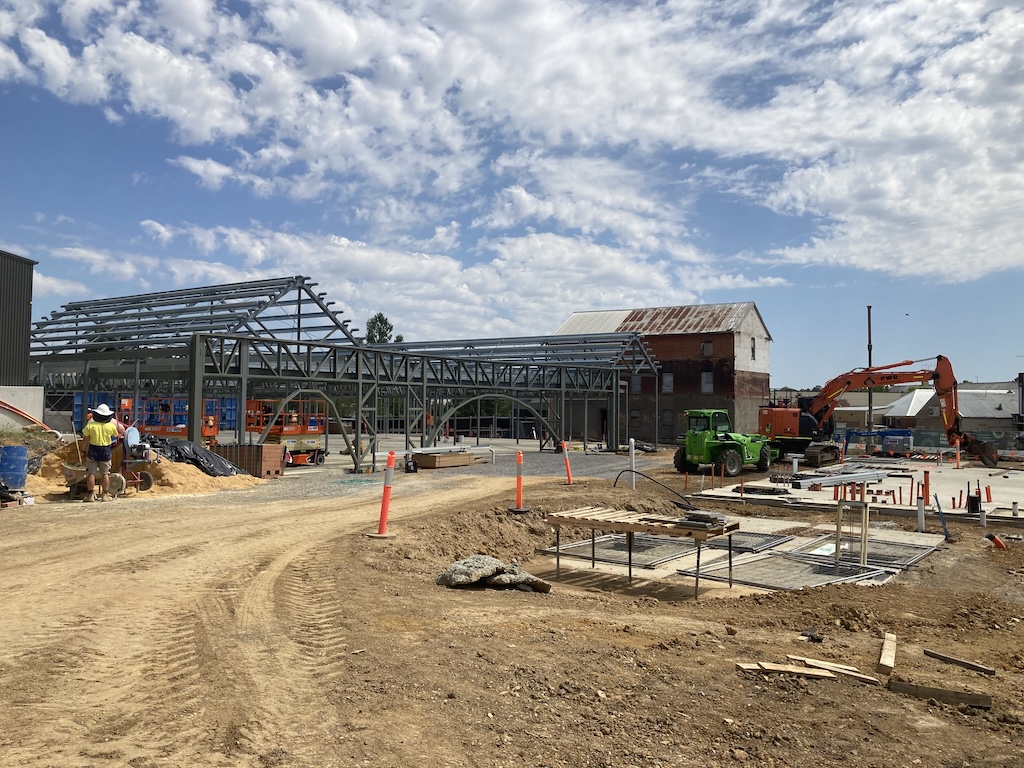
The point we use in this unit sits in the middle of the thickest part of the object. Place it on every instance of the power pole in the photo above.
(871, 410)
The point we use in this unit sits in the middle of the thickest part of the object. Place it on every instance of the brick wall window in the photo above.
(707, 349)
(707, 382)
(667, 383)
(753, 348)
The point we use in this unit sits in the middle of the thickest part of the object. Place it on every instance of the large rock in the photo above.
(490, 572)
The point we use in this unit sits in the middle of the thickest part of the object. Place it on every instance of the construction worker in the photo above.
(99, 435)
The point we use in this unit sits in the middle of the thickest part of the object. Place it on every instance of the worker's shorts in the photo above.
(93, 467)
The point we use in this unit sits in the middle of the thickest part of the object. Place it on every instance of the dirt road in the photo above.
(248, 629)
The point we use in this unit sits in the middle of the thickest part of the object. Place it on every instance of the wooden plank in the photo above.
(808, 661)
(980, 700)
(887, 658)
(792, 669)
(960, 662)
(748, 667)
(841, 669)
(621, 521)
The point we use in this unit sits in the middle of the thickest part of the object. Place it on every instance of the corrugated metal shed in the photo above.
(15, 317)
(986, 404)
(663, 321)
(972, 404)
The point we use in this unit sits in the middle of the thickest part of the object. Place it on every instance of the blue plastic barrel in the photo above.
(13, 466)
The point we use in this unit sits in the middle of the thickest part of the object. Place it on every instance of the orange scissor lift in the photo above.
(300, 427)
(168, 416)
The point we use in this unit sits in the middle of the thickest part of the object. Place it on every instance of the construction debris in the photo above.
(792, 669)
(960, 662)
(482, 570)
(946, 696)
(887, 658)
(839, 669)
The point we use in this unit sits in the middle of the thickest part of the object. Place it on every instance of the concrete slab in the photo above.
(883, 533)
(898, 490)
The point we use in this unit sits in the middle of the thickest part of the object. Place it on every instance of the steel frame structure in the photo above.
(271, 338)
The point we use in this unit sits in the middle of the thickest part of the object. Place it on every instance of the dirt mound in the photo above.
(170, 477)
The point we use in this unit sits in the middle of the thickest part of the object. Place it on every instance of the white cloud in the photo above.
(211, 173)
(182, 88)
(44, 285)
(50, 56)
(77, 14)
(159, 232)
(107, 267)
(500, 293)
(189, 22)
(597, 131)
(11, 67)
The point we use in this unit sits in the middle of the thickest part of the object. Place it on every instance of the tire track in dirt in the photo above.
(36, 727)
(192, 644)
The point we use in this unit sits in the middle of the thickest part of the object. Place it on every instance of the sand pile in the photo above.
(170, 477)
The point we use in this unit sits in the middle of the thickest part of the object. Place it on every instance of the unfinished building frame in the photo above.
(274, 338)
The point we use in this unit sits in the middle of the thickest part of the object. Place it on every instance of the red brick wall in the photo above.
(681, 356)
(739, 392)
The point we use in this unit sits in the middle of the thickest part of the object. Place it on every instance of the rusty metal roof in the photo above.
(663, 321)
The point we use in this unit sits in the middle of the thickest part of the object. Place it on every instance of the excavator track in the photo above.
(821, 455)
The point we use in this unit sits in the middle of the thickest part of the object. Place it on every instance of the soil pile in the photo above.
(170, 477)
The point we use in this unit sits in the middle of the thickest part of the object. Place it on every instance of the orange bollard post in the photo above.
(741, 490)
(568, 469)
(988, 493)
(835, 493)
(901, 495)
(961, 499)
(385, 502)
(927, 489)
(519, 509)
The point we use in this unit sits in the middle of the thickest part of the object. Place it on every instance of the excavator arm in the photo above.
(943, 380)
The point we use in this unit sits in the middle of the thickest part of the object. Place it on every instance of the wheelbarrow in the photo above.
(74, 476)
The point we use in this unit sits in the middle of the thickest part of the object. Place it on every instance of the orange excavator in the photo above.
(802, 429)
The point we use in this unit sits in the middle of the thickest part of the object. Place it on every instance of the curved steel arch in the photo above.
(341, 424)
(431, 435)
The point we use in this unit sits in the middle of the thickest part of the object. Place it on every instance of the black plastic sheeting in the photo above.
(188, 452)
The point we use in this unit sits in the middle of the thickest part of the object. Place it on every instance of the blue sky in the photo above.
(479, 169)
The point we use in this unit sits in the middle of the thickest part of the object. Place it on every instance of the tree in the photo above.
(378, 330)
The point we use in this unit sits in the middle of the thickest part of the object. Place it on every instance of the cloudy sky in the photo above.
(483, 168)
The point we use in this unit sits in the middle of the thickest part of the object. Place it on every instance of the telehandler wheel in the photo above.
(681, 464)
(731, 460)
(764, 463)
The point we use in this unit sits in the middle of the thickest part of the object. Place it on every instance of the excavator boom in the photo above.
(815, 417)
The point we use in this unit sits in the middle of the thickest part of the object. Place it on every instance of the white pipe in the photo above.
(632, 464)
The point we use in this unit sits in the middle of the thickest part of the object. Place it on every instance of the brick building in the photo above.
(711, 356)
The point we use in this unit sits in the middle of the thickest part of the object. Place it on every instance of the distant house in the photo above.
(711, 356)
(985, 413)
